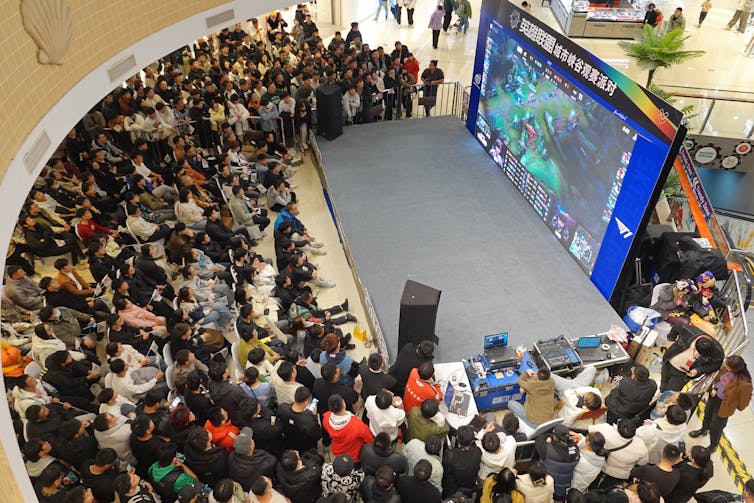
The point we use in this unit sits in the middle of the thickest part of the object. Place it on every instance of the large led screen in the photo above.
(583, 144)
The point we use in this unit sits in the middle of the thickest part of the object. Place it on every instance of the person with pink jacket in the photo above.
(138, 317)
(435, 24)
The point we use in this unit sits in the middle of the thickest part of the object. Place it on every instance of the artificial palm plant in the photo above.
(651, 51)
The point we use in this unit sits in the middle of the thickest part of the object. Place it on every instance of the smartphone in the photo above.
(682, 447)
(176, 401)
(312, 405)
(180, 457)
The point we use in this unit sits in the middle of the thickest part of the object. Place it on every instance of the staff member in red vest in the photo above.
(421, 386)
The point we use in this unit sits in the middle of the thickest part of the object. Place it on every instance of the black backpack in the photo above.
(165, 486)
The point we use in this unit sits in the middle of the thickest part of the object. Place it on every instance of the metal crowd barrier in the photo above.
(448, 98)
(736, 291)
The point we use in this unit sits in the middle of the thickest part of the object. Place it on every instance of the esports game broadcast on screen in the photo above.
(587, 147)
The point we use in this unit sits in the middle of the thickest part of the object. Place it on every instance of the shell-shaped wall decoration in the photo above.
(50, 25)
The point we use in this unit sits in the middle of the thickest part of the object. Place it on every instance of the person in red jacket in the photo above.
(421, 386)
(223, 432)
(412, 66)
(348, 432)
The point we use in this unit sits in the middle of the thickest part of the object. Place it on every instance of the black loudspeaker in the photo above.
(418, 314)
(330, 111)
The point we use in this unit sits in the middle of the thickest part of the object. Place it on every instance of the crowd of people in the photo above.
(124, 386)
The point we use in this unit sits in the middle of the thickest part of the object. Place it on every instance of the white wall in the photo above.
(61, 118)
(355, 10)
(325, 11)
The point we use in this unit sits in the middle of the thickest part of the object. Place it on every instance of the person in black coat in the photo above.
(373, 378)
(71, 379)
(99, 474)
(285, 290)
(380, 487)
(560, 455)
(300, 479)
(301, 430)
(152, 274)
(195, 397)
(144, 444)
(268, 434)
(691, 353)
(217, 230)
(139, 338)
(44, 421)
(631, 396)
(418, 487)
(211, 248)
(55, 296)
(100, 263)
(381, 452)
(41, 240)
(409, 358)
(695, 472)
(246, 462)
(461, 464)
(329, 385)
(74, 444)
(224, 394)
(208, 462)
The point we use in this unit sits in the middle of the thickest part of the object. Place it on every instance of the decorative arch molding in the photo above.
(42, 141)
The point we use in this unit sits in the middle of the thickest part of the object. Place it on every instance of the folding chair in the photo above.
(169, 377)
(167, 355)
(33, 369)
(158, 244)
(592, 414)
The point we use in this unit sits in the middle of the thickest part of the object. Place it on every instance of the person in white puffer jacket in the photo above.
(498, 450)
(536, 486)
(657, 433)
(593, 458)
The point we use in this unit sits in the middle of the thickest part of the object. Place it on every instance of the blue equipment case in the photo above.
(492, 389)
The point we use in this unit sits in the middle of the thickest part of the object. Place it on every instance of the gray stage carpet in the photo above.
(420, 199)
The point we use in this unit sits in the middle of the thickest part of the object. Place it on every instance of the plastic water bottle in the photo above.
(201, 260)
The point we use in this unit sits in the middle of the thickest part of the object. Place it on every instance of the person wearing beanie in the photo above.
(246, 463)
(348, 432)
(341, 476)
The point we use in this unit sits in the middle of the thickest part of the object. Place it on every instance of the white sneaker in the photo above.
(325, 283)
(315, 244)
(319, 251)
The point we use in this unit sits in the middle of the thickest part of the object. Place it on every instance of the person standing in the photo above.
(464, 14)
(743, 11)
(410, 5)
(706, 6)
(435, 24)
(678, 22)
(432, 77)
(731, 392)
(381, 4)
(650, 17)
(448, 6)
